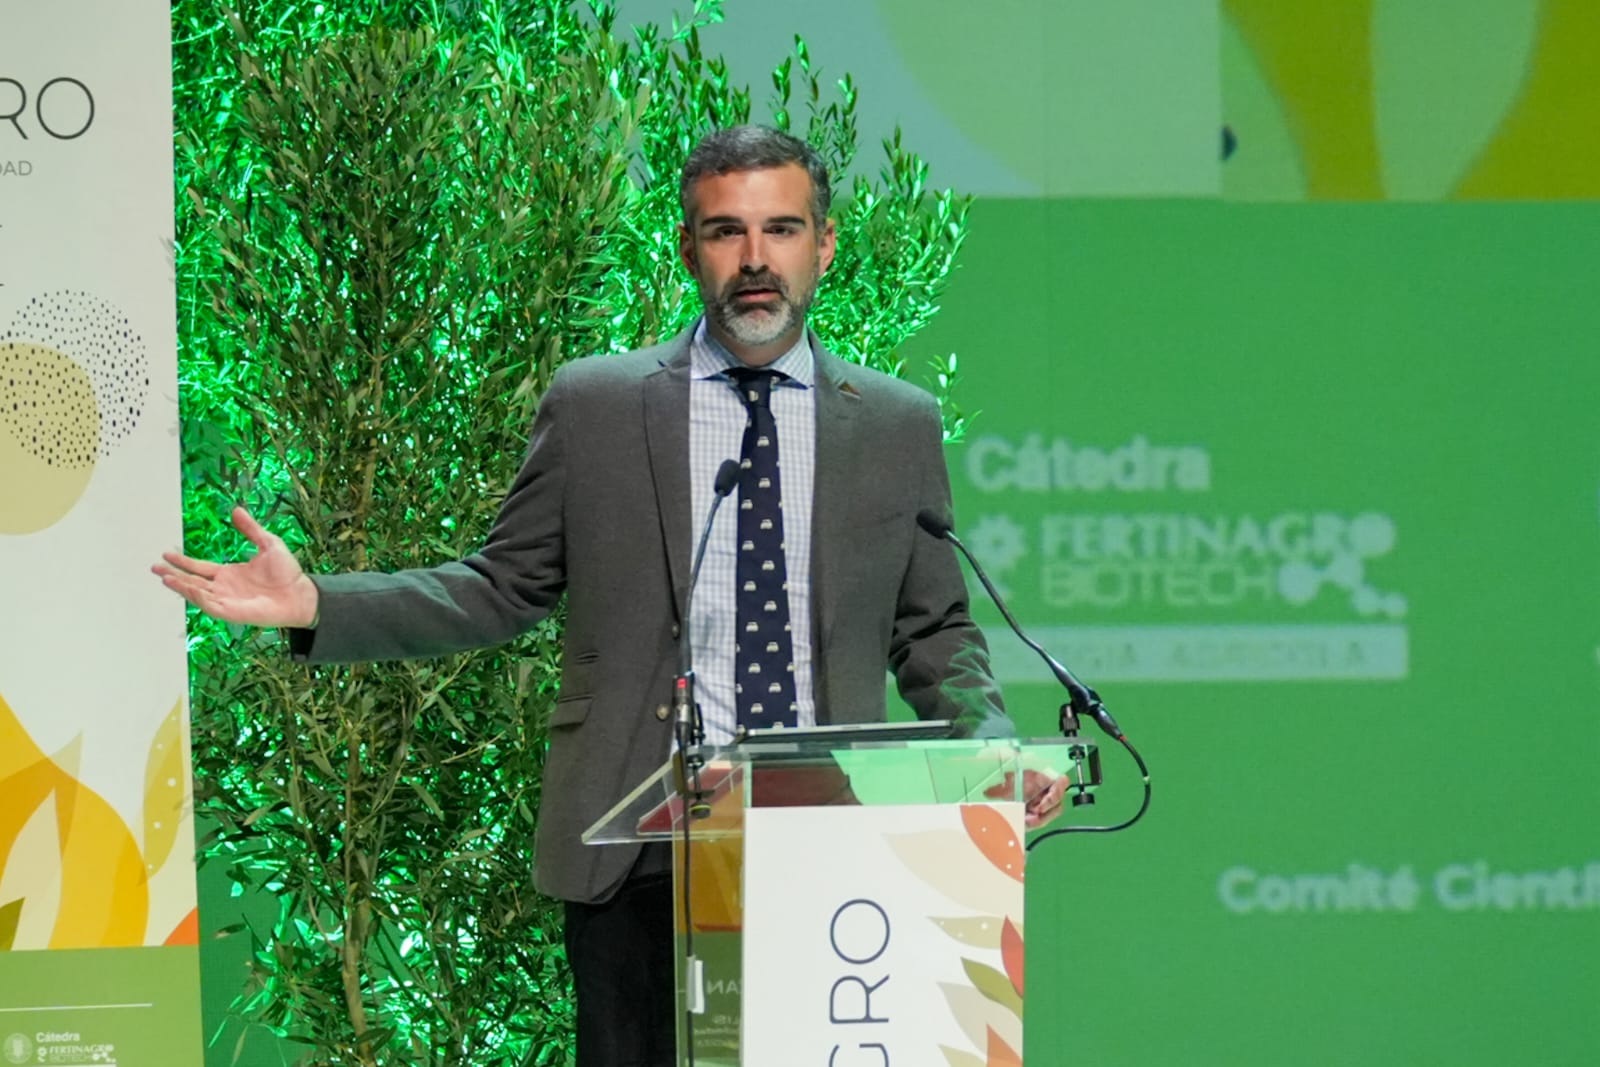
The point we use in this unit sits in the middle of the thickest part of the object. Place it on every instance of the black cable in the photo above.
(1144, 773)
(688, 916)
(689, 728)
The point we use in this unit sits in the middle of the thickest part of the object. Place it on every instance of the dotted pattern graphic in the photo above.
(49, 406)
(98, 338)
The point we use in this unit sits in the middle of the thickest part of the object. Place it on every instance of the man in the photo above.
(816, 577)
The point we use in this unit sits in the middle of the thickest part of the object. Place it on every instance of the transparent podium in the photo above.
(849, 895)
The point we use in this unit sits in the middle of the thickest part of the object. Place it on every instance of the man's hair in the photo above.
(740, 148)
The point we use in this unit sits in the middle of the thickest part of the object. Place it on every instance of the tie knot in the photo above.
(755, 384)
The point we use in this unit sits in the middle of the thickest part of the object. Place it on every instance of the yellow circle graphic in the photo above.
(50, 436)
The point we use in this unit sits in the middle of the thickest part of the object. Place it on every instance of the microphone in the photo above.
(686, 712)
(1084, 701)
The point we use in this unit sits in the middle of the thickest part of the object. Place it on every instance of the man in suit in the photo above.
(616, 483)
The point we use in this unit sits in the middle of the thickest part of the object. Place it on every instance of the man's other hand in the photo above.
(268, 589)
(1044, 795)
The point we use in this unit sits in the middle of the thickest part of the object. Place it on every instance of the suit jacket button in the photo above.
(662, 712)
(676, 630)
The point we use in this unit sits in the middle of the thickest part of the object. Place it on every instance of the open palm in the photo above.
(268, 589)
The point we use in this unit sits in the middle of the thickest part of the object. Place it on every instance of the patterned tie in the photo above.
(764, 659)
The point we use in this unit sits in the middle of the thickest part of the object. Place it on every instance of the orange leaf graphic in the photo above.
(992, 833)
(1002, 1054)
(187, 932)
(1011, 954)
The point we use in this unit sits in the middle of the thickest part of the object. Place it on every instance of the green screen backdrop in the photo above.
(1309, 492)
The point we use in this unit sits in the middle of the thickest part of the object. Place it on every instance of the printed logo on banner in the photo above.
(61, 1047)
(59, 108)
(19, 1048)
(1174, 589)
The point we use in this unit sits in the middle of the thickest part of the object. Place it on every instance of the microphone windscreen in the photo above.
(727, 477)
(934, 523)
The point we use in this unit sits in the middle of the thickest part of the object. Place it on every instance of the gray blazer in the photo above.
(600, 511)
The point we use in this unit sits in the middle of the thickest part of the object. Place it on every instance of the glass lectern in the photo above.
(853, 896)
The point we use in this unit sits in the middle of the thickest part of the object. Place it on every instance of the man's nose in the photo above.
(752, 256)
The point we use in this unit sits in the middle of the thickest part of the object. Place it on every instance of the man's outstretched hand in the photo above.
(268, 589)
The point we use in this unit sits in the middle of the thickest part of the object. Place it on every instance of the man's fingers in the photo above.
(195, 590)
(200, 568)
(246, 524)
(1050, 798)
(1046, 798)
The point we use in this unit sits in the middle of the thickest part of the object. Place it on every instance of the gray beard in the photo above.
(758, 328)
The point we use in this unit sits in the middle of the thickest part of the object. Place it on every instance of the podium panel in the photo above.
(887, 934)
(848, 902)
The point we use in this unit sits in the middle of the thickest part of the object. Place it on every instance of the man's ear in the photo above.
(827, 244)
(686, 249)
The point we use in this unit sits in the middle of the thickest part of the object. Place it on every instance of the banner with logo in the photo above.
(97, 894)
(1309, 494)
(880, 935)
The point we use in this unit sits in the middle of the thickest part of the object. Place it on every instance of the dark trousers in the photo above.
(621, 954)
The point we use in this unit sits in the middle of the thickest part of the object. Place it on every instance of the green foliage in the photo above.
(897, 238)
(397, 220)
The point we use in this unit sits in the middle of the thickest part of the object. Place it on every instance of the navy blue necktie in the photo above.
(764, 659)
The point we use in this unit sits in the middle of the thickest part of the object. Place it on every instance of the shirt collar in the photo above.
(709, 358)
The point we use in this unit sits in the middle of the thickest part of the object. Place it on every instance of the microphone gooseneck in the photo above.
(1083, 700)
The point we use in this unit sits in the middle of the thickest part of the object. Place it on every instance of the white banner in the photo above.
(96, 837)
(884, 935)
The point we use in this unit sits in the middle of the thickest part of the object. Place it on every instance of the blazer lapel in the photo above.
(838, 407)
(666, 428)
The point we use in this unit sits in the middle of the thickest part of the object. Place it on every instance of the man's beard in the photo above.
(761, 324)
